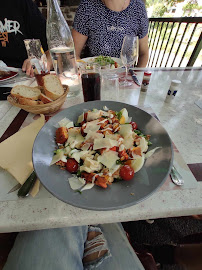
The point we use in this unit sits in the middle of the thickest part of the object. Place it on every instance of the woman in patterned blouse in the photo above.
(102, 25)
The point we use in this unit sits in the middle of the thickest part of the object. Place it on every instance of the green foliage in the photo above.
(159, 10)
(161, 7)
(150, 3)
(192, 4)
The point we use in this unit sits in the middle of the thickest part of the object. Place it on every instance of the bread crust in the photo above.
(48, 91)
(17, 91)
(27, 101)
(45, 99)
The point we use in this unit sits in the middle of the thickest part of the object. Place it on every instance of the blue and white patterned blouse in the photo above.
(106, 28)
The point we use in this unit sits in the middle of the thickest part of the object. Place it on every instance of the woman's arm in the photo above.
(79, 42)
(143, 52)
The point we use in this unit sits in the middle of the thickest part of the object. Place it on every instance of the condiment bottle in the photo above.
(61, 47)
(172, 91)
(145, 81)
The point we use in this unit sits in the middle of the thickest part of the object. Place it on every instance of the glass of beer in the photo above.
(91, 82)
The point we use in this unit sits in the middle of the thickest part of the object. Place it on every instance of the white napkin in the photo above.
(4, 67)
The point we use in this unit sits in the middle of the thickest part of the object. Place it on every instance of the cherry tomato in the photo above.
(134, 125)
(126, 173)
(72, 165)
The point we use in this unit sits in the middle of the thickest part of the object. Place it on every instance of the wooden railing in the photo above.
(175, 42)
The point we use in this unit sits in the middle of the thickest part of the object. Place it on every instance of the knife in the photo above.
(135, 79)
(26, 187)
(16, 187)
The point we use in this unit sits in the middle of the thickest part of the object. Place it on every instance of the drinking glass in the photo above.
(91, 82)
(66, 69)
(129, 55)
(110, 86)
(37, 58)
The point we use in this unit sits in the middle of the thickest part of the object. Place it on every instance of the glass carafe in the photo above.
(61, 47)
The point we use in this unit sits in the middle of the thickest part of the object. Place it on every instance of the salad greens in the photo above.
(104, 60)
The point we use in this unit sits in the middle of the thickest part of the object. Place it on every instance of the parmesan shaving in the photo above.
(85, 147)
(69, 125)
(89, 185)
(58, 157)
(76, 141)
(93, 115)
(114, 168)
(125, 130)
(142, 143)
(78, 155)
(113, 136)
(92, 126)
(108, 158)
(76, 183)
(92, 135)
(74, 131)
(75, 138)
(80, 118)
(104, 143)
(64, 122)
(151, 152)
(67, 150)
(91, 165)
(128, 141)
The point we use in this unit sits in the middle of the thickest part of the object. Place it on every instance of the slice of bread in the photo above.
(27, 101)
(45, 99)
(23, 91)
(52, 86)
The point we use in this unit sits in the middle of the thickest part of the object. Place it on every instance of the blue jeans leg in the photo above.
(53, 249)
(123, 256)
(62, 249)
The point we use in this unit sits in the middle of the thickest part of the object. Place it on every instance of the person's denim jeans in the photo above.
(62, 249)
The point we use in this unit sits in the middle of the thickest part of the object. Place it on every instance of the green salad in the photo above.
(105, 60)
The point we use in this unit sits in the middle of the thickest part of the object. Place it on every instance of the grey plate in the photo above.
(118, 195)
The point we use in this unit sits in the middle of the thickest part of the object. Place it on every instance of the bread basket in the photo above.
(48, 108)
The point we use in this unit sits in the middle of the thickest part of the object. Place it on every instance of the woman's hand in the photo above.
(27, 67)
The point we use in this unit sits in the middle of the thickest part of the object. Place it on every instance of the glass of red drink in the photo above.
(91, 82)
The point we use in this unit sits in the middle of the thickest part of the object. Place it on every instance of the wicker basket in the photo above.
(42, 108)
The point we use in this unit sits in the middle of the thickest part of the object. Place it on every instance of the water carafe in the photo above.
(61, 47)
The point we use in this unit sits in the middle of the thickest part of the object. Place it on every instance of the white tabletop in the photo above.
(182, 119)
